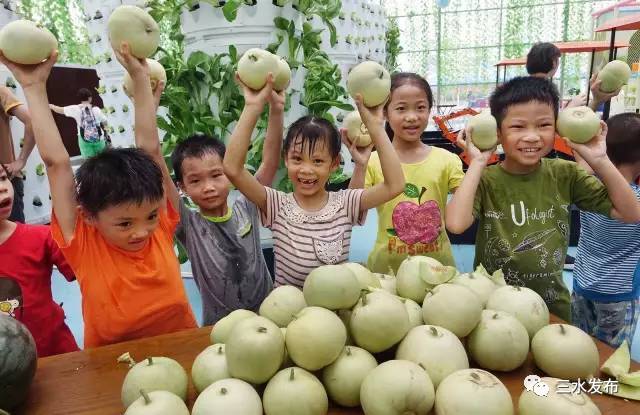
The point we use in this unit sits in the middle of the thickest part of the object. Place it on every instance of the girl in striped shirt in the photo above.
(311, 226)
(606, 279)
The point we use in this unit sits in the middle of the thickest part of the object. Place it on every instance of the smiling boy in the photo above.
(522, 204)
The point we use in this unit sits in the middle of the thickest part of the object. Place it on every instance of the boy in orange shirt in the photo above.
(113, 223)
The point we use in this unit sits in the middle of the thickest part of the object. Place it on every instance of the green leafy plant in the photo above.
(393, 47)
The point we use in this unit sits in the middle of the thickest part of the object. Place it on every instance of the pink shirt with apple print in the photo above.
(413, 222)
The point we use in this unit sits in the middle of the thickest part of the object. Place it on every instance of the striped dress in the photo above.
(607, 259)
(303, 240)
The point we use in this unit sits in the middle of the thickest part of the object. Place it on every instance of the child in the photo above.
(223, 243)
(606, 280)
(27, 256)
(114, 224)
(311, 227)
(412, 223)
(522, 204)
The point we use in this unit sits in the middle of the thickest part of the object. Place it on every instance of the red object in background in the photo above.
(452, 135)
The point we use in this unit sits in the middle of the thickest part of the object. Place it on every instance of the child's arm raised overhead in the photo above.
(360, 157)
(145, 104)
(273, 141)
(393, 183)
(33, 79)
(459, 211)
(626, 207)
(240, 141)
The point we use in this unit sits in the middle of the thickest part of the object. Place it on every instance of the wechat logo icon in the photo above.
(533, 383)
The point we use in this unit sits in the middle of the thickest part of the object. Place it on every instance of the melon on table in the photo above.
(18, 362)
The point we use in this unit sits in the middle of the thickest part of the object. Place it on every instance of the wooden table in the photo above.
(89, 381)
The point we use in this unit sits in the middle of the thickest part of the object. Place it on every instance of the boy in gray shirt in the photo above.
(222, 240)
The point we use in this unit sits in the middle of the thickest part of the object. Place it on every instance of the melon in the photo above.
(209, 366)
(151, 374)
(499, 342)
(26, 43)
(315, 338)
(137, 28)
(436, 349)
(356, 130)
(619, 363)
(415, 271)
(282, 304)
(282, 75)
(228, 396)
(294, 391)
(484, 130)
(543, 398)
(454, 307)
(372, 81)
(614, 75)
(18, 362)
(566, 352)
(414, 310)
(254, 349)
(578, 124)
(473, 391)
(221, 330)
(255, 65)
(343, 378)
(156, 74)
(477, 282)
(379, 321)
(334, 287)
(524, 304)
(365, 277)
(157, 403)
(387, 283)
(397, 387)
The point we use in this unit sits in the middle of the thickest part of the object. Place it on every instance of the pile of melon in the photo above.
(390, 344)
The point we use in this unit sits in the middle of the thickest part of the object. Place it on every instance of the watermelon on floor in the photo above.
(18, 361)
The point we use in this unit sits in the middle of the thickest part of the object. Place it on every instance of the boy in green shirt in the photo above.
(522, 204)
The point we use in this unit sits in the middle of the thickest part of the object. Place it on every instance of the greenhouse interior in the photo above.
(311, 207)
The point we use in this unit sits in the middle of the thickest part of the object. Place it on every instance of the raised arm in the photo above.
(145, 107)
(57, 109)
(393, 184)
(598, 96)
(625, 205)
(459, 211)
(273, 141)
(239, 142)
(33, 79)
(22, 113)
(360, 157)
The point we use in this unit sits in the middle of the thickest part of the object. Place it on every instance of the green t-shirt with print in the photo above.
(523, 224)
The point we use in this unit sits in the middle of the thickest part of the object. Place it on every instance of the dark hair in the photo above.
(402, 78)
(623, 138)
(311, 130)
(541, 57)
(195, 146)
(521, 90)
(116, 176)
(84, 94)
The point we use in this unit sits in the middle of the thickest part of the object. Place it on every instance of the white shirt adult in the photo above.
(75, 112)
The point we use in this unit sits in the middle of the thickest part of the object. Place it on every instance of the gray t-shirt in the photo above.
(226, 259)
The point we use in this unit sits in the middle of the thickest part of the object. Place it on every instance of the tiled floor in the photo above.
(361, 243)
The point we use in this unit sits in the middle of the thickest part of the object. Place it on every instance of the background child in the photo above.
(310, 226)
(606, 280)
(412, 223)
(120, 241)
(522, 204)
(27, 256)
(222, 242)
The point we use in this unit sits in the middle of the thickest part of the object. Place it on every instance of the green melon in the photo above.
(614, 75)
(18, 362)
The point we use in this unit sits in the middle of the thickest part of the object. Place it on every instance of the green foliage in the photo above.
(392, 47)
(62, 18)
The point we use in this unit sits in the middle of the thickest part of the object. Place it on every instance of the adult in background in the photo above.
(91, 122)
(12, 106)
(543, 61)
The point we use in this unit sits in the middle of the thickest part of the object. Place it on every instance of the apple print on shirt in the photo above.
(413, 223)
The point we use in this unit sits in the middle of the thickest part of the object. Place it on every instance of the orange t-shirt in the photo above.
(127, 295)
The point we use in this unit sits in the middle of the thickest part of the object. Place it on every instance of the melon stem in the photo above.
(434, 331)
(223, 391)
(150, 360)
(348, 351)
(144, 394)
(220, 350)
(291, 374)
(262, 329)
(562, 329)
